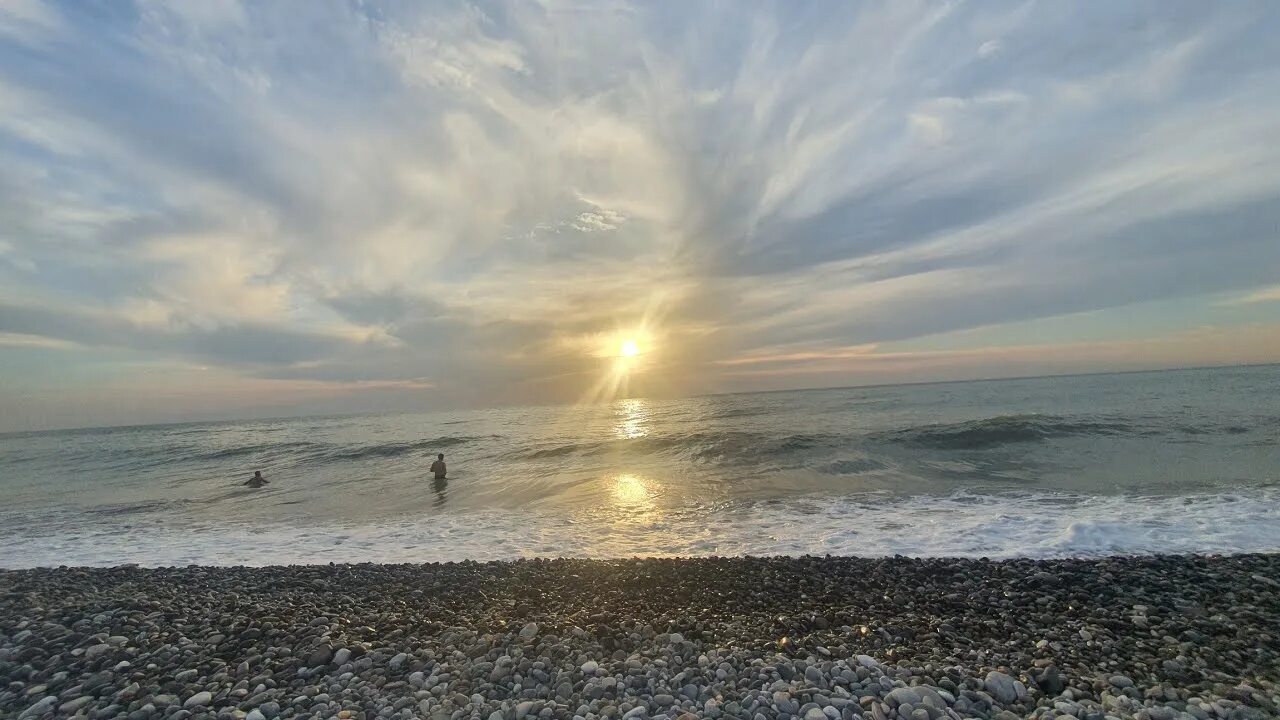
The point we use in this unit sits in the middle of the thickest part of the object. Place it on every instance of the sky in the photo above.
(221, 209)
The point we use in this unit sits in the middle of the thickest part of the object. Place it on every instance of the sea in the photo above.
(1184, 461)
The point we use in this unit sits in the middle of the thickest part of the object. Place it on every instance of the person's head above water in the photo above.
(257, 474)
(440, 456)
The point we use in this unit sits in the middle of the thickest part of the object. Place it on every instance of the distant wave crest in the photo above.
(1003, 430)
(319, 451)
(257, 449)
(359, 452)
(732, 446)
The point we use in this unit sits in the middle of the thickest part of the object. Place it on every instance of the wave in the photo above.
(317, 451)
(137, 508)
(731, 413)
(853, 466)
(1004, 430)
(743, 446)
(734, 447)
(555, 451)
(259, 449)
(360, 452)
(729, 446)
(961, 524)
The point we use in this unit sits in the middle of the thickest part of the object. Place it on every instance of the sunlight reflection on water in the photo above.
(632, 492)
(633, 419)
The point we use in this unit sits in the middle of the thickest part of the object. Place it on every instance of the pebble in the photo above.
(40, 707)
(898, 696)
(94, 651)
(1001, 686)
(320, 656)
(70, 707)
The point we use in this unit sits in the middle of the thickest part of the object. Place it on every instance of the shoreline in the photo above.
(426, 565)
(967, 523)
(1156, 637)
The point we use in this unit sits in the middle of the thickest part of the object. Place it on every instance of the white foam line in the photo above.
(1039, 525)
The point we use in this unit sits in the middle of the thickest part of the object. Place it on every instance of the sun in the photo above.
(627, 353)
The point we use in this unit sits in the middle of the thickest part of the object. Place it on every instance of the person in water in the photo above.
(441, 487)
(438, 467)
(257, 480)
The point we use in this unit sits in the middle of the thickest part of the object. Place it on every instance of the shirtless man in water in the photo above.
(256, 481)
(438, 467)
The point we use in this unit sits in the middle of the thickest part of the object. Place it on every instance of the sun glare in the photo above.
(625, 354)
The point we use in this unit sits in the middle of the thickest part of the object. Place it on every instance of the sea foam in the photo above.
(1005, 525)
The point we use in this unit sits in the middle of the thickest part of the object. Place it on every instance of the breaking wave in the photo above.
(963, 524)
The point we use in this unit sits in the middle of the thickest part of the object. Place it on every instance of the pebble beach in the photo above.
(817, 638)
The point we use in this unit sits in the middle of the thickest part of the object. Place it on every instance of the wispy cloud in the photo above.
(33, 341)
(1246, 344)
(1265, 295)
(28, 22)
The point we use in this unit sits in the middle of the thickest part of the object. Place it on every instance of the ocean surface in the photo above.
(1179, 461)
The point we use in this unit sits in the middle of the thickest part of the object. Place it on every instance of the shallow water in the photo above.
(1181, 461)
